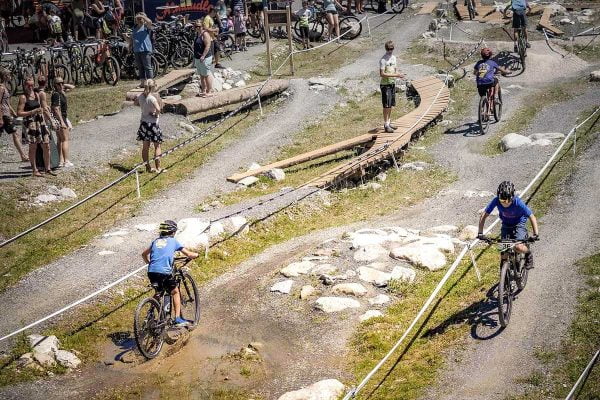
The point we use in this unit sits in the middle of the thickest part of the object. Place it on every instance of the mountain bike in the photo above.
(513, 275)
(521, 46)
(154, 315)
(487, 104)
(471, 8)
(350, 27)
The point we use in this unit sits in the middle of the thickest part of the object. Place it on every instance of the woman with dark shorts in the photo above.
(6, 114)
(149, 131)
(333, 20)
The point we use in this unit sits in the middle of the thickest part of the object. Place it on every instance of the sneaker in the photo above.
(68, 164)
(529, 260)
(388, 129)
(181, 322)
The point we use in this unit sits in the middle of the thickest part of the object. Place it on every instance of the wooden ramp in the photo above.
(428, 7)
(164, 82)
(546, 24)
(434, 96)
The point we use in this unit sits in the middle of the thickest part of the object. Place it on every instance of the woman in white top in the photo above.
(149, 131)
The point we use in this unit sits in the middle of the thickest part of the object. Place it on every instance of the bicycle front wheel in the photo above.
(350, 28)
(498, 106)
(147, 328)
(190, 300)
(182, 57)
(484, 119)
(504, 295)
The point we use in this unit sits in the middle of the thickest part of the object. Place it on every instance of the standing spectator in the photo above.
(97, 12)
(203, 51)
(213, 30)
(142, 47)
(239, 28)
(359, 6)
(333, 20)
(222, 13)
(6, 114)
(304, 14)
(58, 102)
(388, 73)
(118, 12)
(55, 24)
(32, 108)
(77, 7)
(149, 131)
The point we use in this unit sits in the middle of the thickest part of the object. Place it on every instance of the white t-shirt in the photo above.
(149, 106)
(388, 65)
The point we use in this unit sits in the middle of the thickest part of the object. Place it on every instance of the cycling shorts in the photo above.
(517, 232)
(519, 19)
(482, 89)
(165, 282)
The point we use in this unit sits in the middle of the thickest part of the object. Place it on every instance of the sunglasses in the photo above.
(505, 200)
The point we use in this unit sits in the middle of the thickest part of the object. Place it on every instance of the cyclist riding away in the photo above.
(519, 21)
(514, 214)
(485, 71)
(159, 257)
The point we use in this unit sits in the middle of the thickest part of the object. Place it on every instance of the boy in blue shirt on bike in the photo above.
(513, 213)
(160, 257)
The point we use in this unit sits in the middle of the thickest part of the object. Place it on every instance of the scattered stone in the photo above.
(370, 252)
(327, 269)
(514, 86)
(469, 232)
(147, 227)
(277, 174)
(442, 243)
(307, 291)
(240, 83)
(297, 268)
(446, 122)
(588, 12)
(379, 300)
(367, 237)
(351, 289)
(236, 224)
(381, 177)
(482, 193)
(380, 266)
(121, 232)
(216, 229)
(513, 141)
(188, 127)
(595, 76)
(565, 21)
(428, 35)
(557, 8)
(415, 166)
(25, 360)
(446, 229)
(43, 344)
(403, 274)
(424, 256)
(67, 193)
(327, 280)
(248, 181)
(226, 86)
(105, 253)
(284, 287)
(549, 136)
(542, 142)
(370, 314)
(335, 304)
(329, 389)
(67, 359)
(371, 275)
(191, 232)
(45, 198)
(44, 359)
(372, 186)
(584, 19)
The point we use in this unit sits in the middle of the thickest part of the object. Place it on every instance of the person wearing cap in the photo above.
(203, 55)
(485, 71)
(58, 105)
(142, 47)
(213, 29)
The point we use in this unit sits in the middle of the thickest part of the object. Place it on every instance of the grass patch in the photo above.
(588, 52)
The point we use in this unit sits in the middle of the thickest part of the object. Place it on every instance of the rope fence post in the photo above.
(137, 183)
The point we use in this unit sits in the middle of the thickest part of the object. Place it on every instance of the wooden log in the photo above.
(171, 79)
(545, 22)
(196, 105)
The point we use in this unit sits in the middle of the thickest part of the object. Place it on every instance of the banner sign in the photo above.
(161, 10)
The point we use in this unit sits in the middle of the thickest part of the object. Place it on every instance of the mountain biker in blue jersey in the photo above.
(159, 257)
(519, 21)
(514, 214)
(485, 71)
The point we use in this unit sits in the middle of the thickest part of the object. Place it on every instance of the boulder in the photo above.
(469, 232)
(415, 166)
(248, 181)
(542, 142)
(584, 19)
(514, 141)
(329, 389)
(237, 224)
(187, 127)
(565, 21)
(335, 304)
(371, 275)
(595, 76)
(368, 238)
(192, 232)
(283, 286)
(514, 86)
(240, 83)
(217, 83)
(297, 268)
(327, 279)
(67, 359)
(549, 136)
(403, 274)
(307, 291)
(327, 269)
(588, 12)
(370, 314)
(216, 229)
(67, 193)
(445, 229)
(381, 177)
(43, 344)
(379, 300)
(443, 244)
(25, 360)
(44, 359)
(421, 256)
(147, 227)
(46, 198)
(277, 174)
(120, 232)
(227, 86)
(380, 266)
(351, 289)
(370, 253)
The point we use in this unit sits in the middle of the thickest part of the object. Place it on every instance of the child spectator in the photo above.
(239, 28)
(304, 14)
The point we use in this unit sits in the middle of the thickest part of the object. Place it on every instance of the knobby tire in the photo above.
(504, 295)
(148, 335)
(190, 300)
(498, 105)
(484, 120)
(521, 278)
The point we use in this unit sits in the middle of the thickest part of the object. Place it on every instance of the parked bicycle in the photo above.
(350, 27)
(513, 275)
(154, 315)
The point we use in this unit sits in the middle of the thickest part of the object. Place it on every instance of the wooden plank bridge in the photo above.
(434, 97)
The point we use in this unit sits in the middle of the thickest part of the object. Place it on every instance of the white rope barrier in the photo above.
(583, 376)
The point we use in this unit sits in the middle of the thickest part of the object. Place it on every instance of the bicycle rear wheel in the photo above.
(350, 28)
(58, 71)
(504, 295)
(484, 119)
(87, 70)
(498, 105)
(147, 328)
(111, 71)
(190, 300)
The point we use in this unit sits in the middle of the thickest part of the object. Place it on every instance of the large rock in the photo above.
(326, 269)
(67, 359)
(445, 229)
(595, 76)
(442, 243)
(248, 181)
(403, 274)
(216, 229)
(236, 224)
(192, 232)
(370, 253)
(415, 166)
(329, 389)
(297, 268)
(335, 304)
(43, 344)
(469, 232)
(542, 142)
(45, 360)
(283, 286)
(67, 193)
(548, 136)
(370, 314)
(307, 291)
(351, 289)
(371, 275)
(25, 360)
(277, 174)
(421, 256)
(514, 141)
(379, 300)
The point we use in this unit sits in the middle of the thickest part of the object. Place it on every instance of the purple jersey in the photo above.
(484, 71)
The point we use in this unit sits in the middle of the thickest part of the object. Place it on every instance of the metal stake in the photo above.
(574, 141)
(137, 183)
(395, 163)
(369, 28)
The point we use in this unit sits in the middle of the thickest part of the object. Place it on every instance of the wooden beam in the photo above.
(164, 82)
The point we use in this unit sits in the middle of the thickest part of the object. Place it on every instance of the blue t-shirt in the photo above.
(484, 72)
(516, 213)
(519, 5)
(141, 39)
(162, 253)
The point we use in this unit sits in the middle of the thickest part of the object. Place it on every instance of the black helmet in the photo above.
(506, 190)
(167, 228)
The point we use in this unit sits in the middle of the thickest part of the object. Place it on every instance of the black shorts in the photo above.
(482, 89)
(162, 281)
(240, 35)
(519, 19)
(304, 32)
(7, 126)
(256, 7)
(388, 95)
(334, 12)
